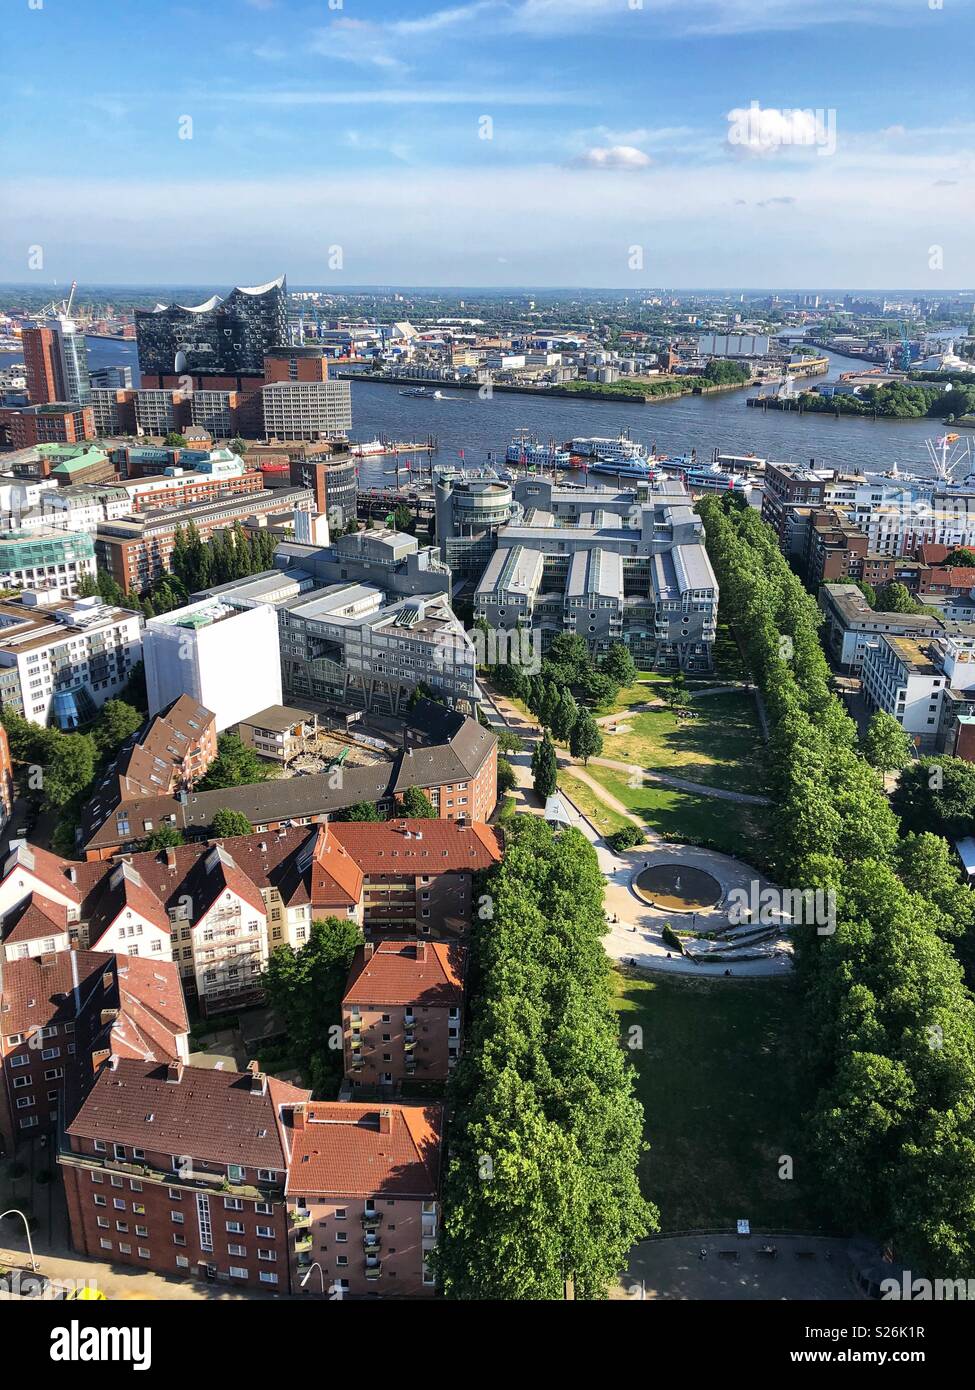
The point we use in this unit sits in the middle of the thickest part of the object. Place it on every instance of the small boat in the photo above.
(642, 468)
(414, 391)
(372, 446)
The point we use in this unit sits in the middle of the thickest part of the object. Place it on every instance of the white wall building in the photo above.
(226, 659)
(900, 677)
(61, 664)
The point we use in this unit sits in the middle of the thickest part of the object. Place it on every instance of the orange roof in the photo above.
(336, 878)
(33, 918)
(419, 846)
(342, 1151)
(428, 973)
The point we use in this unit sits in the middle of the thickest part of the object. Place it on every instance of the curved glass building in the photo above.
(220, 337)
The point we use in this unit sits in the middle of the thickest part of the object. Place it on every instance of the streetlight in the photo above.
(13, 1211)
(321, 1275)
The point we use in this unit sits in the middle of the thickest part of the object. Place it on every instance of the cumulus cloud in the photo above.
(763, 130)
(612, 157)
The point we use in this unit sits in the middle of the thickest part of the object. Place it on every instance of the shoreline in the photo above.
(561, 392)
(794, 408)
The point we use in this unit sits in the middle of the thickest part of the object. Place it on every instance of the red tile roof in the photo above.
(428, 973)
(342, 1152)
(419, 846)
(35, 917)
(214, 1116)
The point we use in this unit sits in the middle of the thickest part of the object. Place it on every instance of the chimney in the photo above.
(421, 951)
(385, 1120)
(298, 1117)
(258, 1079)
(98, 1059)
(170, 858)
(369, 950)
(108, 1016)
(174, 1072)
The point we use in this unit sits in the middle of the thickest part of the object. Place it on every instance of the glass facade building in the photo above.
(221, 337)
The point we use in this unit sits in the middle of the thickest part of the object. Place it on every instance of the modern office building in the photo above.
(220, 337)
(609, 567)
(56, 362)
(60, 422)
(306, 409)
(470, 511)
(138, 549)
(61, 664)
(900, 677)
(47, 560)
(226, 658)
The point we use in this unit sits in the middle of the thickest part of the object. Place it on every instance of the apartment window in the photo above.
(266, 1255)
(182, 1262)
(179, 1240)
(118, 1204)
(98, 1146)
(142, 1230)
(105, 1244)
(177, 1218)
(341, 1236)
(268, 1278)
(265, 1232)
(341, 1259)
(240, 1250)
(233, 1204)
(235, 1228)
(100, 1201)
(144, 1254)
(236, 1272)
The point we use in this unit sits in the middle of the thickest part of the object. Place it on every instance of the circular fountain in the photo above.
(677, 887)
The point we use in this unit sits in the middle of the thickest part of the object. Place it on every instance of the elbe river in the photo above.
(463, 423)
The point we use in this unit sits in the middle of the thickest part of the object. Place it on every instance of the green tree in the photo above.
(165, 837)
(361, 811)
(416, 805)
(227, 823)
(619, 664)
(545, 768)
(509, 741)
(305, 989)
(235, 765)
(117, 721)
(506, 776)
(238, 446)
(68, 767)
(886, 746)
(936, 794)
(564, 716)
(894, 598)
(175, 440)
(676, 693)
(599, 687)
(586, 741)
(960, 556)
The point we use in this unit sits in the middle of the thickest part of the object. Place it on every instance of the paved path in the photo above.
(659, 703)
(634, 928)
(672, 1268)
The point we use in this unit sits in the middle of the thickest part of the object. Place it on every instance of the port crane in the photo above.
(62, 310)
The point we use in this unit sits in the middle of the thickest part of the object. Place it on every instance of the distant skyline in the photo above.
(521, 144)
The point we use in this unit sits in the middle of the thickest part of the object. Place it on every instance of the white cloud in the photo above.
(762, 130)
(612, 157)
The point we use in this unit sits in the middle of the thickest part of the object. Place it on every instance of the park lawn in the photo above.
(723, 825)
(719, 1081)
(718, 744)
(603, 817)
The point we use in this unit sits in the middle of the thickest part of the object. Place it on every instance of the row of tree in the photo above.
(541, 1186)
(889, 1028)
(227, 554)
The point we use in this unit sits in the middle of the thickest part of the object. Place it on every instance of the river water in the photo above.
(465, 425)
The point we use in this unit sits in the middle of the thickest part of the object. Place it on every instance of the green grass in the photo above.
(719, 744)
(603, 817)
(718, 1079)
(723, 825)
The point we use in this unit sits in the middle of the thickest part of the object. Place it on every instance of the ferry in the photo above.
(423, 392)
(711, 477)
(371, 446)
(622, 447)
(525, 449)
(644, 469)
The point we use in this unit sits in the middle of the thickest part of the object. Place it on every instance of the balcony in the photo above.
(371, 1242)
(374, 1271)
(372, 1220)
(299, 1218)
(303, 1242)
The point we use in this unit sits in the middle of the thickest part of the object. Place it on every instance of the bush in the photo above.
(627, 838)
(671, 938)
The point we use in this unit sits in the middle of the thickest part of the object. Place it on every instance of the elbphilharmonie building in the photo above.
(220, 337)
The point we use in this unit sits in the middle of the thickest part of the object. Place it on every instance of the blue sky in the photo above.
(610, 158)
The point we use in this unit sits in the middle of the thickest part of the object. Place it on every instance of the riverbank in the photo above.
(803, 408)
(591, 392)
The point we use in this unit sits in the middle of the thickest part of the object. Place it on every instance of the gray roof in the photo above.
(298, 798)
(598, 572)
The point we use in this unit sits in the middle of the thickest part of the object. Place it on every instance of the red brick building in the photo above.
(182, 1170)
(62, 1012)
(56, 423)
(402, 1011)
(364, 1188)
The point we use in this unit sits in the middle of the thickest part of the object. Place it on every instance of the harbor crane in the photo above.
(62, 310)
